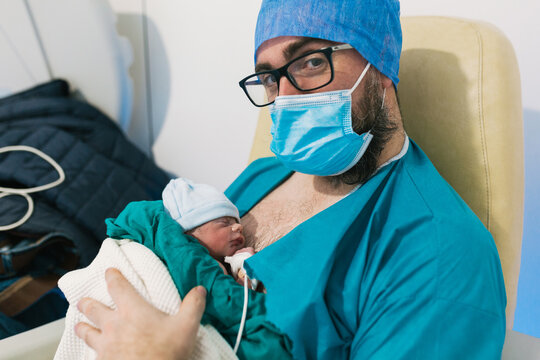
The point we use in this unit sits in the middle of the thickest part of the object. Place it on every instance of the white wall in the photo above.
(22, 58)
(194, 55)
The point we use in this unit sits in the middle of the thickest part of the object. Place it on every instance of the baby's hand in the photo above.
(249, 250)
(238, 273)
(223, 268)
(240, 278)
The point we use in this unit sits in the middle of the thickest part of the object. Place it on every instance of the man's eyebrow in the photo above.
(293, 48)
(289, 52)
(262, 67)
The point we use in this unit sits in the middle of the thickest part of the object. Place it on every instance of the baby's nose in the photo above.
(237, 228)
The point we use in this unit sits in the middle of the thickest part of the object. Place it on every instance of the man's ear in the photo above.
(385, 81)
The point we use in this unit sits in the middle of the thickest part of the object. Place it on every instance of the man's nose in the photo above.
(286, 87)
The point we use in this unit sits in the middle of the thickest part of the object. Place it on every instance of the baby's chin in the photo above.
(231, 251)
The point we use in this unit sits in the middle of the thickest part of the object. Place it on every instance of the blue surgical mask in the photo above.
(313, 134)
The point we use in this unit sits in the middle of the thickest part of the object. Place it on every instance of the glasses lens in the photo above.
(311, 71)
(261, 88)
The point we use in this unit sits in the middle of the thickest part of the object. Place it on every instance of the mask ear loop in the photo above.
(360, 78)
(368, 136)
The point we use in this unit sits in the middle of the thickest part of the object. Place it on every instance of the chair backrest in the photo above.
(460, 100)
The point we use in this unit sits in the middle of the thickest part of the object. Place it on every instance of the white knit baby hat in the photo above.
(193, 204)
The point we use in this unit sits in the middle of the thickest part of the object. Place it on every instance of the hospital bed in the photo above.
(447, 98)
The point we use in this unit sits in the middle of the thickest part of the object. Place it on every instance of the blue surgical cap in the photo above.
(372, 27)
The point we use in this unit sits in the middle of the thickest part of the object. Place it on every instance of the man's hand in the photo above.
(137, 330)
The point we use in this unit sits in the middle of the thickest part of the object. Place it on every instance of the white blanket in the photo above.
(149, 276)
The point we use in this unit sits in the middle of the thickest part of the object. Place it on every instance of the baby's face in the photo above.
(222, 236)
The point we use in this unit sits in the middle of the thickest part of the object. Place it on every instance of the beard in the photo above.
(368, 115)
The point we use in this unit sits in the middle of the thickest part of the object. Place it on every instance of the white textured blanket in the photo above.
(149, 276)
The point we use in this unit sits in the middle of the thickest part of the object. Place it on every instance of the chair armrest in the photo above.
(519, 346)
(36, 344)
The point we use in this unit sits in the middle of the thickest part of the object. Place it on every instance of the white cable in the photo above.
(24, 192)
(61, 175)
(244, 314)
(25, 217)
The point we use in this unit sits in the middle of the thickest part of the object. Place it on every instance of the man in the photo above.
(373, 254)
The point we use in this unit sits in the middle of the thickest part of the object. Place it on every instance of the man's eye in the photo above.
(310, 65)
(313, 63)
(268, 80)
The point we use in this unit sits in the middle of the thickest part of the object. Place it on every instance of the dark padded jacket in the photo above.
(104, 171)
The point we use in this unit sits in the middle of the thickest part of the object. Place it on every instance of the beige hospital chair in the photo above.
(460, 99)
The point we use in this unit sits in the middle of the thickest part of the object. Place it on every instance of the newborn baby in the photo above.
(206, 214)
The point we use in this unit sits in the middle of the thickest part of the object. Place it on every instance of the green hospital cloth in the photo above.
(190, 264)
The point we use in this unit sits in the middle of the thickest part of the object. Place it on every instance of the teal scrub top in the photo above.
(399, 269)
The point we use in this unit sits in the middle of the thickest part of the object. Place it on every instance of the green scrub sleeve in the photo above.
(190, 265)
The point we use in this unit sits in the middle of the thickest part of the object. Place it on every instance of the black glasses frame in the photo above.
(282, 71)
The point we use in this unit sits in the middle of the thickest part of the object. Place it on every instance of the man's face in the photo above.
(348, 64)
(222, 236)
(368, 113)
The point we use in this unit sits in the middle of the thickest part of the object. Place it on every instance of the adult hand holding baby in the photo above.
(137, 329)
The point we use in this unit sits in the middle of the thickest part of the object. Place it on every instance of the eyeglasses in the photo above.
(310, 71)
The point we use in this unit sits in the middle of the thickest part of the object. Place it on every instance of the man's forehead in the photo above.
(285, 48)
